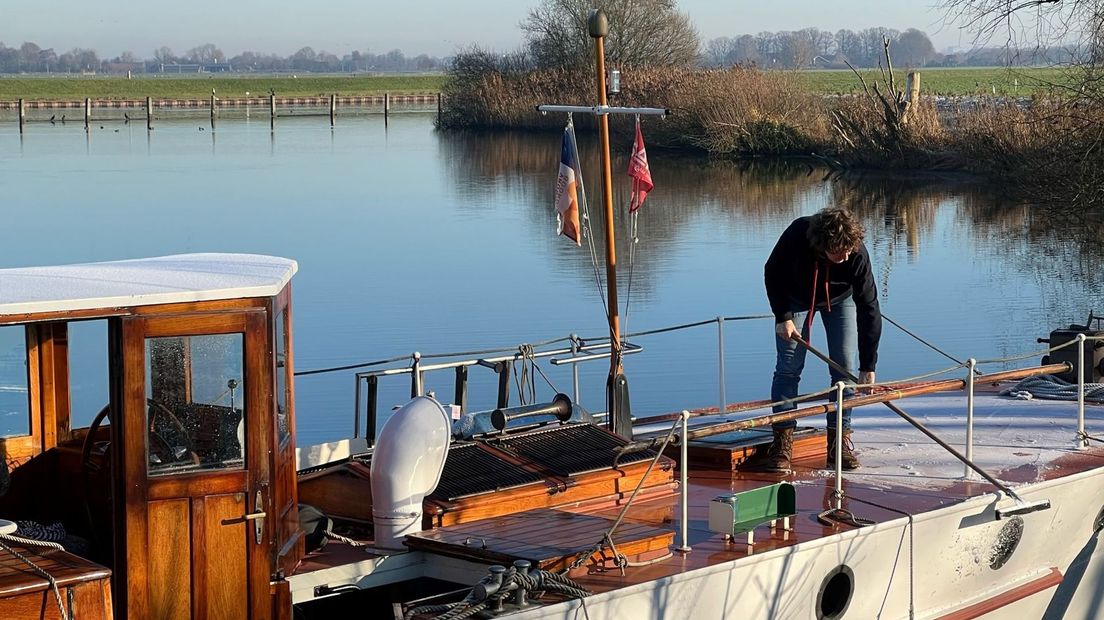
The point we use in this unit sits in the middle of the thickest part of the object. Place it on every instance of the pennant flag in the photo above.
(567, 194)
(638, 170)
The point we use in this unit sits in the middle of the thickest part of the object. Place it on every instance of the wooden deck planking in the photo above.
(548, 538)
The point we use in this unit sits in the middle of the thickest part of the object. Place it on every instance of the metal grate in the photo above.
(470, 470)
(571, 449)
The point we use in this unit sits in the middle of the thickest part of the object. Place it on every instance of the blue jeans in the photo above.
(842, 332)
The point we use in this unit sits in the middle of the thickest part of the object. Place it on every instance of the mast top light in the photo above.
(597, 24)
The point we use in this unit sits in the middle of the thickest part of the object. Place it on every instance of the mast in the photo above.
(598, 27)
(619, 419)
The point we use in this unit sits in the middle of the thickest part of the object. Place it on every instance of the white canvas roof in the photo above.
(142, 282)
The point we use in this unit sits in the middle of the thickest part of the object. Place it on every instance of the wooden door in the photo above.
(197, 429)
(288, 540)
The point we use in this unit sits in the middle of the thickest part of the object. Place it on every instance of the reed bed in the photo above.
(1045, 147)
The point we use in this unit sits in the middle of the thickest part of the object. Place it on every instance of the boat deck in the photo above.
(902, 472)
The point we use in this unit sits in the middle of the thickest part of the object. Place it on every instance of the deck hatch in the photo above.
(571, 449)
(471, 470)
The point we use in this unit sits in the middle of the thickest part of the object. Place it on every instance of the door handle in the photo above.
(257, 518)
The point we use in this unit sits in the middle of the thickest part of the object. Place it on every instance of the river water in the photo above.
(409, 239)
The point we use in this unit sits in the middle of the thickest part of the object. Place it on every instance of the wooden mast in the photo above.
(598, 27)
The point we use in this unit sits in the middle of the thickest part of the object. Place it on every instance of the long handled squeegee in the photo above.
(1021, 508)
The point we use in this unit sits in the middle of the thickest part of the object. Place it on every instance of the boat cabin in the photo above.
(147, 407)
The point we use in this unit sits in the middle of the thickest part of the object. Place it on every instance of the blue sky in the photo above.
(435, 27)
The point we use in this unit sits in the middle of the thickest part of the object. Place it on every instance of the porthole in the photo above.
(1098, 524)
(835, 593)
(1007, 540)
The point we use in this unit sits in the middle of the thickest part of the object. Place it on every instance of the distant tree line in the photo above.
(30, 58)
(814, 48)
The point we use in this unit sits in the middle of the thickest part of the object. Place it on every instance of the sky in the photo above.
(434, 27)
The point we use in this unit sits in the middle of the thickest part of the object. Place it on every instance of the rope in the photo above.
(912, 548)
(35, 567)
(926, 343)
(588, 231)
(1048, 387)
(345, 539)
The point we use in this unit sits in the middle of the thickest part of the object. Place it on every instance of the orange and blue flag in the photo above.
(567, 190)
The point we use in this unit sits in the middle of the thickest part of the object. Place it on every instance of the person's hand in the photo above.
(786, 330)
(866, 377)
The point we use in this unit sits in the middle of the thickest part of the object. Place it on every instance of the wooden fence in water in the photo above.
(214, 104)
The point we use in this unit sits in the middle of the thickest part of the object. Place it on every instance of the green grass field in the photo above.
(967, 81)
(58, 88)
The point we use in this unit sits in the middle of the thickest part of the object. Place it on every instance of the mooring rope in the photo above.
(1049, 387)
(38, 570)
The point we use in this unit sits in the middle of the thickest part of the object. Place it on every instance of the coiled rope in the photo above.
(1049, 387)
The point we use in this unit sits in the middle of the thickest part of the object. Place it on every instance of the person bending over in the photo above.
(820, 265)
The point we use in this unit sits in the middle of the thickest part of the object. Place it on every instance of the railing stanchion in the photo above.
(356, 408)
(1082, 440)
(461, 395)
(721, 364)
(372, 409)
(971, 365)
(574, 338)
(840, 385)
(684, 489)
(416, 376)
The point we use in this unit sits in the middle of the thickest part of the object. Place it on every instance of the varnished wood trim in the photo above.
(216, 482)
(17, 450)
(1020, 592)
(124, 311)
(34, 387)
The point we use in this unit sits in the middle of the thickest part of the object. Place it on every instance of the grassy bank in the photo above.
(60, 88)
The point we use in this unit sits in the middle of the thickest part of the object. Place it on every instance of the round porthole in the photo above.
(1007, 540)
(835, 593)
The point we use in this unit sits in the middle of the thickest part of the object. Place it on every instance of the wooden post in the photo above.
(386, 105)
(212, 109)
(912, 87)
(22, 115)
(149, 113)
(87, 113)
(272, 110)
(438, 108)
(333, 108)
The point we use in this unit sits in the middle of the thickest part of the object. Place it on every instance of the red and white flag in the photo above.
(638, 170)
(567, 192)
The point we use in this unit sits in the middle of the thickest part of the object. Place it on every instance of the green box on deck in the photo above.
(744, 511)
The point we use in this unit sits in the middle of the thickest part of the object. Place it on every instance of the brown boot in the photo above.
(849, 460)
(778, 454)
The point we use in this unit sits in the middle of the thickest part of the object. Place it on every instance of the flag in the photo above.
(638, 170)
(567, 193)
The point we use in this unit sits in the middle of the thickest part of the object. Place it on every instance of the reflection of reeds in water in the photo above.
(897, 210)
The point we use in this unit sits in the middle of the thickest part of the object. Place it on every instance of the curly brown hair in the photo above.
(835, 230)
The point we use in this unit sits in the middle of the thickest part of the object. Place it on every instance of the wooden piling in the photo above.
(386, 105)
(912, 103)
(212, 109)
(438, 108)
(22, 115)
(333, 109)
(149, 113)
(272, 110)
(87, 113)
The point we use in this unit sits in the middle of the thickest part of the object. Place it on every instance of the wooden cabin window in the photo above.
(88, 375)
(195, 393)
(15, 404)
(281, 376)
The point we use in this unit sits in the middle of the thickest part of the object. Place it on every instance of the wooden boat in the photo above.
(186, 487)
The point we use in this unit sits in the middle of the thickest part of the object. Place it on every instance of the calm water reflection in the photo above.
(408, 239)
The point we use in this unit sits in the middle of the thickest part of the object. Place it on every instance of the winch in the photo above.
(1094, 350)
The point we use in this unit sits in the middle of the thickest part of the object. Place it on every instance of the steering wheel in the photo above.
(161, 447)
(89, 466)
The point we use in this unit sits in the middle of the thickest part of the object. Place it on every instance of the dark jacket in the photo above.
(789, 274)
